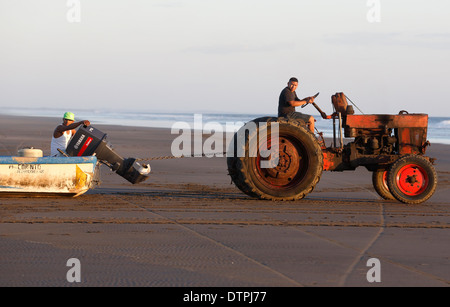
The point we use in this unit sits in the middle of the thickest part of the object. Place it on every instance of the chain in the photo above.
(181, 157)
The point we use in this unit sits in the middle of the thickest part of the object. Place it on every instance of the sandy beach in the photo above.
(189, 226)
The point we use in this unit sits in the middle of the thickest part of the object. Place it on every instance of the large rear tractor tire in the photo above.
(412, 179)
(292, 176)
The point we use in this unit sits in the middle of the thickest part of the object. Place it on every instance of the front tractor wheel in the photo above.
(412, 179)
(379, 180)
(292, 176)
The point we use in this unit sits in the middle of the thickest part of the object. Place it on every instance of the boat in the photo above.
(73, 174)
(46, 176)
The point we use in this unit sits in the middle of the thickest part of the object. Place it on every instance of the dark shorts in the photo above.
(298, 115)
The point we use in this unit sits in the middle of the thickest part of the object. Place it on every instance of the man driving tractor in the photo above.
(288, 101)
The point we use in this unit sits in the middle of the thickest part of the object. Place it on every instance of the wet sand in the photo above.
(188, 226)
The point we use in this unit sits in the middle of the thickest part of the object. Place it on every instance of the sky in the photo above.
(224, 56)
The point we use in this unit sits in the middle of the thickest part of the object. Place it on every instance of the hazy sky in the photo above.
(225, 55)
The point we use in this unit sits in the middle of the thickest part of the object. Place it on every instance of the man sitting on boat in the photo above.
(64, 132)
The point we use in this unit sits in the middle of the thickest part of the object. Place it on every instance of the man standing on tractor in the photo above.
(288, 101)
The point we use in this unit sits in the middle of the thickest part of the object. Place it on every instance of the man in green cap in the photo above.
(64, 132)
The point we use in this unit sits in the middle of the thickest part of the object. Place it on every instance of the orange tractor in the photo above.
(392, 147)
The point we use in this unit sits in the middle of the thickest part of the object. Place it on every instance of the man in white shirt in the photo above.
(64, 132)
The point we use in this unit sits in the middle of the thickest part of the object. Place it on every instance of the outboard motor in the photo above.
(89, 141)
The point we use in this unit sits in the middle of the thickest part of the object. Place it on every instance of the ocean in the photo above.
(438, 127)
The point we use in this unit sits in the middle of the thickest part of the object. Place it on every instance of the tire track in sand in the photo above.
(202, 236)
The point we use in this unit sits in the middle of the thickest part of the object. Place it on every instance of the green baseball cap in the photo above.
(69, 116)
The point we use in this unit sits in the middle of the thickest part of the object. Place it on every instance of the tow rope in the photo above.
(181, 157)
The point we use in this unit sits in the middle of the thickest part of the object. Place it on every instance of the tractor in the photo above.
(392, 147)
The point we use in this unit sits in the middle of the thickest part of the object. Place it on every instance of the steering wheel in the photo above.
(312, 97)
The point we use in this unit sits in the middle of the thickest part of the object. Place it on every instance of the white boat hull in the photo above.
(43, 176)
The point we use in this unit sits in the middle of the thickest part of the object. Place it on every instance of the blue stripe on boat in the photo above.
(47, 160)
